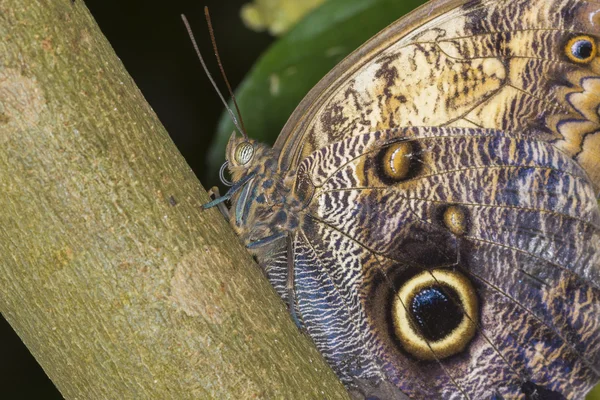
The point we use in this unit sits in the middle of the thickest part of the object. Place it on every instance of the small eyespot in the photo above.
(581, 49)
(398, 162)
(244, 153)
(435, 314)
(455, 220)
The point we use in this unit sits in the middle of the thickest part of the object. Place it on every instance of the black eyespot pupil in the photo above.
(435, 313)
(582, 49)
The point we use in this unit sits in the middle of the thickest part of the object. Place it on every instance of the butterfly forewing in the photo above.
(501, 64)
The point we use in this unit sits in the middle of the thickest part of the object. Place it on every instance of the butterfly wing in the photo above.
(519, 65)
(366, 234)
(487, 208)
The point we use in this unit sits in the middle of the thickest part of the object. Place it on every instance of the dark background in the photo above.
(150, 39)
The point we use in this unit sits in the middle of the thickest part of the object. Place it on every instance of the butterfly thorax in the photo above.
(263, 210)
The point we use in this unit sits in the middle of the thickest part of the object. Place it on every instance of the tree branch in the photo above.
(112, 276)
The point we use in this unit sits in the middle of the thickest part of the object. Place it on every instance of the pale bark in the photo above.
(117, 282)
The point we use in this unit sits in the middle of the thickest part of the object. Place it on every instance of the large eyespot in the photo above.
(581, 49)
(244, 153)
(435, 314)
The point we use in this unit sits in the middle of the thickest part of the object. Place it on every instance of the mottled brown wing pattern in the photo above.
(500, 64)
(430, 212)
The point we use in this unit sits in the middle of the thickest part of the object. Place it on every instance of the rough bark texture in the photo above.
(110, 273)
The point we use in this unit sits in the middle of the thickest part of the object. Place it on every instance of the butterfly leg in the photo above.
(214, 194)
(290, 284)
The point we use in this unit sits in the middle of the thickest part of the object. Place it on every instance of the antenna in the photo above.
(212, 81)
(214, 43)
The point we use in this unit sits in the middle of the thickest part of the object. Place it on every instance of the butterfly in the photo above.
(429, 212)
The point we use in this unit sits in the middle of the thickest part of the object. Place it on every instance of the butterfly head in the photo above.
(240, 156)
(244, 156)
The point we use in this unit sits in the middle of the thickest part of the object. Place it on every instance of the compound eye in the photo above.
(581, 49)
(244, 153)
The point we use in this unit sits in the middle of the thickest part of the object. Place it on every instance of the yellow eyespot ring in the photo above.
(581, 49)
(244, 153)
(458, 290)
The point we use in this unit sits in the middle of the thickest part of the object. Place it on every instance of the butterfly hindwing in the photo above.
(366, 234)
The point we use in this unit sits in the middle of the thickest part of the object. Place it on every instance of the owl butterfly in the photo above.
(429, 212)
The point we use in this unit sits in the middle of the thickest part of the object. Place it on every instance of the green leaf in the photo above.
(295, 63)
